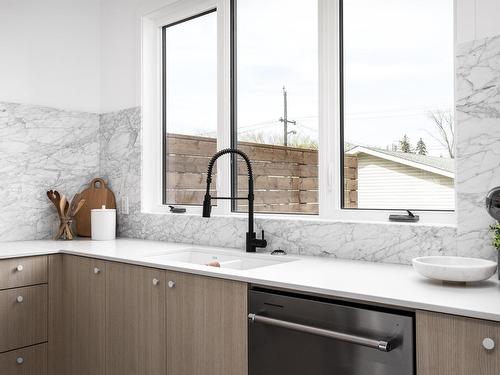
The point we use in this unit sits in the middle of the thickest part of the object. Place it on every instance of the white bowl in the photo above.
(456, 269)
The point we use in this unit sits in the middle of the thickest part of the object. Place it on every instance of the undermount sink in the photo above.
(455, 269)
(225, 260)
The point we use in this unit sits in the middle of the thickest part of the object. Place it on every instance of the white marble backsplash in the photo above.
(41, 148)
(121, 165)
(478, 141)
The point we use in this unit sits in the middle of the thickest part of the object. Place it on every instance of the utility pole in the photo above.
(285, 120)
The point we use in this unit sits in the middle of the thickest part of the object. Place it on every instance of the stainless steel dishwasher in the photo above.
(292, 334)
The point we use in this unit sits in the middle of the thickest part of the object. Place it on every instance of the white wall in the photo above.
(121, 51)
(477, 19)
(120, 55)
(49, 53)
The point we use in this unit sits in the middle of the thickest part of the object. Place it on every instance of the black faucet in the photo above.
(252, 242)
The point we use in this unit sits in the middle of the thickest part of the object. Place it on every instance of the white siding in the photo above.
(385, 184)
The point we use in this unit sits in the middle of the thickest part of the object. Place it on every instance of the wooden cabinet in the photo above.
(206, 326)
(135, 320)
(451, 345)
(25, 361)
(83, 289)
(23, 317)
(126, 320)
(108, 318)
(18, 272)
(56, 344)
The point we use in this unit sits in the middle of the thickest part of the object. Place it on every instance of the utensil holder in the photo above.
(66, 210)
(65, 229)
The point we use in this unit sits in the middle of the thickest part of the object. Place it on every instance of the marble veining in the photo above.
(41, 148)
(121, 166)
(478, 141)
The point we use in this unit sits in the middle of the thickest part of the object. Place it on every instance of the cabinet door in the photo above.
(56, 345)
(135, 323)
(84, 315)
(451, 345)
(18, 272)
(206, 326)
(23, 317)
(26, 361)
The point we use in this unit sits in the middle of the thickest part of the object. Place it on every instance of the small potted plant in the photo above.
(493, 208)
(496, 241)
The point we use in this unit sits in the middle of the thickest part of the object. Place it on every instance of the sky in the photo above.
(398, 66)
(191, 71)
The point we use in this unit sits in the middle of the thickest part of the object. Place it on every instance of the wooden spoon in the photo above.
(80, 205)
(73, 204)
(62, 206)
(64, 209)
(58, 201)
(52, 197)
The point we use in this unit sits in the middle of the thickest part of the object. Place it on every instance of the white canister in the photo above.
(103, 224)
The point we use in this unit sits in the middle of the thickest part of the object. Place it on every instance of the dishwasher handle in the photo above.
(383, 346)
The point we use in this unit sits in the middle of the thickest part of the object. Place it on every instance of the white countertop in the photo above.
(387, 284)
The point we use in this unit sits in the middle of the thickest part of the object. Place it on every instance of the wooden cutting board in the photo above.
(96, 196)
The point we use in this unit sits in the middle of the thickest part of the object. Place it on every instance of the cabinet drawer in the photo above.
(23, 317)
(26, 361)
(18, 272)
(452, 345)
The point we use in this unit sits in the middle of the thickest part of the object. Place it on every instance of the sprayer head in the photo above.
(207, 206)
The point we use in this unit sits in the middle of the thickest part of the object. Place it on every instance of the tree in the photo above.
(446, 130)
(421, 147)
(298, 140)
(405, 145)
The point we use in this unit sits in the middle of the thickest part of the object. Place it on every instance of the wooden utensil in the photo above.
(58, 201)
(96, 196)
(65, 218)
(53, 197)
(74, 203)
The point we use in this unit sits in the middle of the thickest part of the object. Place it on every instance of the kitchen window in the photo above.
(275, 70)
(397, 118)
(189, 106)
(324, 96)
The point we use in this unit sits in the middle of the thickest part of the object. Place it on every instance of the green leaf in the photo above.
(496, 235)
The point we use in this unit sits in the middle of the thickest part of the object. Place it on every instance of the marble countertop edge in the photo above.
(390, 285)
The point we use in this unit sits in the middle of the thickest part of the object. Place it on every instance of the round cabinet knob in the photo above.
(156, 282)
(19, 268)
(171, 284)
(97, 271)
(19, 299)
(488, 343)
(19, 360)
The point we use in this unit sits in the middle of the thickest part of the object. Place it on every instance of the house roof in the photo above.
(442, 166)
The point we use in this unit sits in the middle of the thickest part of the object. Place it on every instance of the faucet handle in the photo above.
(262, 242)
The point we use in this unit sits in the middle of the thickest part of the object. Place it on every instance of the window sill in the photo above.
(438, 219)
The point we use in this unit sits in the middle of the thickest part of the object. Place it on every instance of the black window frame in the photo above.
(163, 105)
(233, 105)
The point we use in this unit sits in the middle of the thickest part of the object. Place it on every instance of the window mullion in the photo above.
(223, 102)
(329, 109)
